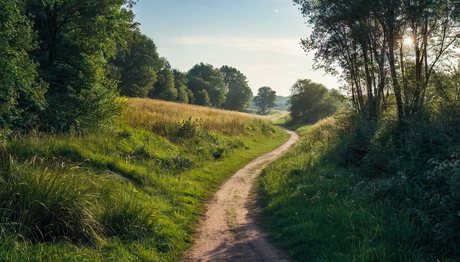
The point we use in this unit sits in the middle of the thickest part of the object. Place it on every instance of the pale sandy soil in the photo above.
(229, 230)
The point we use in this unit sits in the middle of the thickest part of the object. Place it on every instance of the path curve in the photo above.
(228, 230)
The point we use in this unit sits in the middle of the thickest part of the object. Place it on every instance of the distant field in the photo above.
(133, 192)
(156, 114)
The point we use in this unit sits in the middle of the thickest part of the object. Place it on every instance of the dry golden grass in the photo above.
(156, 115)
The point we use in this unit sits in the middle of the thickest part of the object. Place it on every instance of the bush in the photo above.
(413, 165)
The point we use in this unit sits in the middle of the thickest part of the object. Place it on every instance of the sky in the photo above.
(261, 38)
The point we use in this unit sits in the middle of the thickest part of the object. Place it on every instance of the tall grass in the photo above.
(158, 116)
(46, 204)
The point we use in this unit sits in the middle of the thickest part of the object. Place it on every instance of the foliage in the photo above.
(385, 191)
(265, 98)
(366, 40)
(310, 102)
(205, 76)
(202, 98)
(21, 91)
(239, 94)
(137, 65)
(75, 39)
(180, 83)
(164, 88)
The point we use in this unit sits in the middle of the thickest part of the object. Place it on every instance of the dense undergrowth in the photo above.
(130, 193)
(359, 190)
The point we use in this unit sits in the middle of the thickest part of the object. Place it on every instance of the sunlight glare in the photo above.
(408, 40)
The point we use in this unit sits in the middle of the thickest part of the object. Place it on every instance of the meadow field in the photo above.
(131, 192)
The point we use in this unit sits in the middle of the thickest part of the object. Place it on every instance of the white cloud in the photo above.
(276, 11)
(285, 46)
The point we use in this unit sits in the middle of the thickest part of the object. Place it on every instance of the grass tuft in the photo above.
(128, 217)
(44, 205)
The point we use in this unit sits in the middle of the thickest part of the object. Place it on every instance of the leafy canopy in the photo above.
(21, 91)
(239, 93)
(310, 102)
(205, 76)
(137, 65)
(76, 37)
(265, 98)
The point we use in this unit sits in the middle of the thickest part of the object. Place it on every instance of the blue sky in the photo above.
(258, 37)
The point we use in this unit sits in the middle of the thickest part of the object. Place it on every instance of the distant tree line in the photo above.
(143, 73)
(64, 64)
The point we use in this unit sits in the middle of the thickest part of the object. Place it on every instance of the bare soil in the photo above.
(229, 230)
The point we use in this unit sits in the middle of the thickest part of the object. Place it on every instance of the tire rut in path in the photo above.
(228, 231)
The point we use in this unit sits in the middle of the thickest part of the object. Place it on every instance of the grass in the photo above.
(157, 116)
(130, 193)
(318, 210)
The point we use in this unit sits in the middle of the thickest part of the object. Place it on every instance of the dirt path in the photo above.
(228, 230)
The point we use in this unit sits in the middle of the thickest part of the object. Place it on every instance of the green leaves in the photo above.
(265, 98)
(239, 93)
(205, 76)
(137, 65)
(20, 88)
(76, 38)
(311, 101)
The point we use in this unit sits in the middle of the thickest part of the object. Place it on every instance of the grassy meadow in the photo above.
(132, 192)
(355, 190)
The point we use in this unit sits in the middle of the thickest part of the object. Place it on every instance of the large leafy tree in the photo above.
(265, 99)
(205, 76)
(239, 94)
(75, 39)
(137, 64)
(21, 92)
(310, 102)
(366, 39)
(164, 87)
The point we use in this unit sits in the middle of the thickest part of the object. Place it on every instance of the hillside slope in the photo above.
(130, 193)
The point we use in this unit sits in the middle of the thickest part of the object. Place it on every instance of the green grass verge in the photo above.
(318, 211)
(120, 195)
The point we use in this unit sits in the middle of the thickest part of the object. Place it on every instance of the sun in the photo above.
(408, 40)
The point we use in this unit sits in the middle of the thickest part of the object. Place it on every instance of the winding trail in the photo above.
(229, 231)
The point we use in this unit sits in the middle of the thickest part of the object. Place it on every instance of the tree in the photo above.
(310, 102)
(202, 98)
(265, 98)
(239, 93)
(76, 37)
(365, 38)
(180, 83)
(205, 76)
(21, 91)
(164, 87)
(137, 64)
